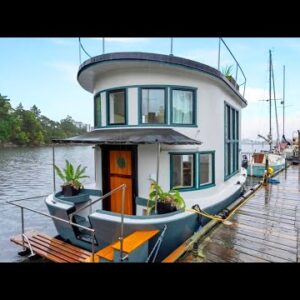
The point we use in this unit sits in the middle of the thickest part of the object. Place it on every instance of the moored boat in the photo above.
(158, 118)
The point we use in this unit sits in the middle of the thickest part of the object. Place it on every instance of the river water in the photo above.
(27, 172)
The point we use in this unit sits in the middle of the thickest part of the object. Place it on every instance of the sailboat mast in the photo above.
(283, 101)
(270, 95)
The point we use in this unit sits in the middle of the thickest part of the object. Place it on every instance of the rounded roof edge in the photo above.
(160, 58)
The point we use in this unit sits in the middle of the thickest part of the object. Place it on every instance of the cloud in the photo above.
(124, 40)
(68, 70)
(253, 94)
(62, 41)
(206, 56)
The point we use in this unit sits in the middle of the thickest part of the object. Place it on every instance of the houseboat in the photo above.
(158, 118)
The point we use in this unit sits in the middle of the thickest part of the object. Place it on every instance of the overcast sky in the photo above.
(42, 71)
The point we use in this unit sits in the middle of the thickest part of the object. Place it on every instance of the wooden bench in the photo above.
(52, 249)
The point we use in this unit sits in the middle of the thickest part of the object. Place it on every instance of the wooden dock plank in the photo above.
(265, 229)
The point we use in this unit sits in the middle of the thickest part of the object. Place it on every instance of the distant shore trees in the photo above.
(29, 127)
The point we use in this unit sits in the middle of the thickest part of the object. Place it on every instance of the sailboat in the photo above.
(276, 161)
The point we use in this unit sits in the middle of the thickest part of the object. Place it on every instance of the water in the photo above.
(27, 172)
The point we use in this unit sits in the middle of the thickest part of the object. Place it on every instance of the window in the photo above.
(153, 106)
(183, 107)
(206, 169)
(117, 107)
(97, 111)
(231, 141)
(182, 171)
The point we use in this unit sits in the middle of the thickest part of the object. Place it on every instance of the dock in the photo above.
(264, 229)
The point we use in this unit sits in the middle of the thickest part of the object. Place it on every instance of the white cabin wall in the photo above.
(211, 95)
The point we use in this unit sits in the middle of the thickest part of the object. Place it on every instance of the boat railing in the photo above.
(169, 49)
(237, 65)
(22, 207)
(123, 188)
(121, 238)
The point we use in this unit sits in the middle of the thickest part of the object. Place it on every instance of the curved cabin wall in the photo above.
(211, 94)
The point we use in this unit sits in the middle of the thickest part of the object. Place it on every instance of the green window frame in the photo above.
(108, 108)
(193, 106)
(165, 93)
(231, 141)
(190, 187)
(211, 169)
(97, 111)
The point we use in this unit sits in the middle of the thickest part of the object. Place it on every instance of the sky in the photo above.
(42, 71)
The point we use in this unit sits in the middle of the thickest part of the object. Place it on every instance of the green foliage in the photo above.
(71, 177)
(29, 127)
(157, 194)
(227, 71)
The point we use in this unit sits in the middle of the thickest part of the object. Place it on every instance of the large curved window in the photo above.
(231, 141)
(182, 106)
(153, 107)
(97, 111)
(116, 107)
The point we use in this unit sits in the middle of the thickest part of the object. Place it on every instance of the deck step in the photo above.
(135, 240)
(106, 254)
(52, 248)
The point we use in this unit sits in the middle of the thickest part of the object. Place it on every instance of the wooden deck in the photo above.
(265, 229)
(53, 249)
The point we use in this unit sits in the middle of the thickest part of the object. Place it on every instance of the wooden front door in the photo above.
(120, 172)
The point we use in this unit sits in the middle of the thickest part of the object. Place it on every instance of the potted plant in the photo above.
(227, 72)
(166, 201)
(71, 178)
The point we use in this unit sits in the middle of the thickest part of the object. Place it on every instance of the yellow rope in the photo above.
(205, 214)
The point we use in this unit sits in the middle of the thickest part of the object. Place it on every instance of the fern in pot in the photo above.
(71, 178)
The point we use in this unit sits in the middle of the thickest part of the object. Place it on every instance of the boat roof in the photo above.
(132, 137)
(87, 71)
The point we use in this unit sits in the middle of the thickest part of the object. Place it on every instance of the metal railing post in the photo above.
(93, 246)
(219, 54)
(23, 230)
(53, 165)
(121, 238)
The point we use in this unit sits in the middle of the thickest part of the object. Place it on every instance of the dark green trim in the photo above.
(168, 112)
(95, 112)
(108, 107)
(194, 187)
(208, 185)
(197, 170)
(194, 113)
(231, 142)
(157, 87)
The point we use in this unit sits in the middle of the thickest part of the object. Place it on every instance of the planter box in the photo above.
(164, 208)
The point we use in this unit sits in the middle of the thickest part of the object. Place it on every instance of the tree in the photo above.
(36, 111)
